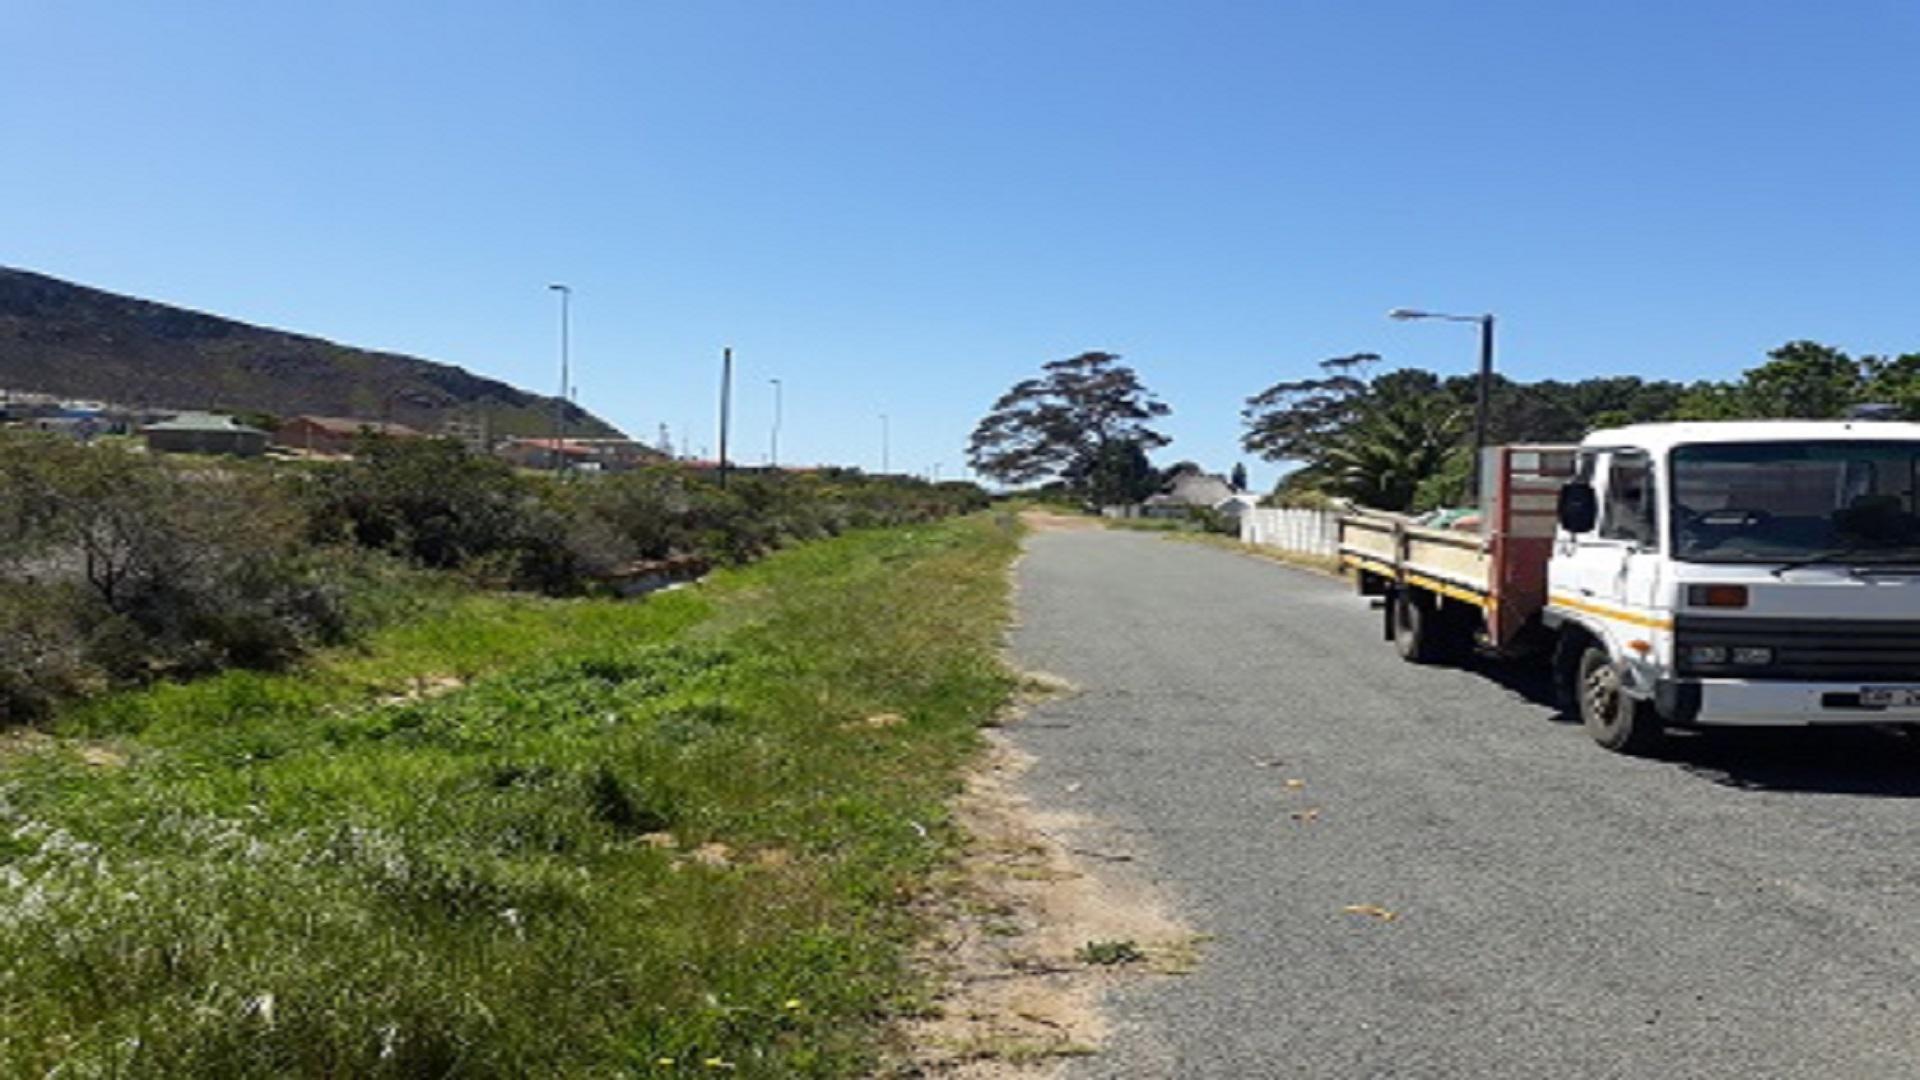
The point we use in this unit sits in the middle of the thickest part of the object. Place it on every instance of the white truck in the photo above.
(1756, 573)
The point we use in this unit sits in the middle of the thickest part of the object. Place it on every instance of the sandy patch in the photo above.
(423, 688)
(26, 742)
(1034, 929)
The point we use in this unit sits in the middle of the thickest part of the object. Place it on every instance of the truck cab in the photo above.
(1754, 573)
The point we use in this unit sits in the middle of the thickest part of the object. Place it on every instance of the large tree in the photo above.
(1116, 473)
(1371, 440)
(1400, 440)
(1066, 424)
(1293, 421)
(1800, 380)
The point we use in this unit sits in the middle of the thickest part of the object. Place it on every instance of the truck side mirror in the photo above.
(1579, 507)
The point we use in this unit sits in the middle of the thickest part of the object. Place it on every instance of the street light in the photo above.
(560, 407)
(1485, 387)
(884, 464)
(773, 457)
(726, 406)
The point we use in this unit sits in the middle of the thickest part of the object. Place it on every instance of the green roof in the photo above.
(200, 421)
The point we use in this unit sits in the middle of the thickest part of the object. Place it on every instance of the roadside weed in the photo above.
(1110, 953)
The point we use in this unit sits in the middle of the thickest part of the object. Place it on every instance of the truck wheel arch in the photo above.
(1573, 641)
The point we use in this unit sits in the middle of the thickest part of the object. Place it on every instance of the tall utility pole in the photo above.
(773, 456)
(726, 406)
(560, 406)
(884, 465)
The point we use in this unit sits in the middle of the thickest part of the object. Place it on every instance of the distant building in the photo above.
(204, 433)
(1189, 489)
(616, 455)
(545, 453)
(1233, 506)
(598, 454)
(335, 434)
(83, 428)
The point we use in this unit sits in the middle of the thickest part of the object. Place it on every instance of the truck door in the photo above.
(1629, 515)
(1613, 569)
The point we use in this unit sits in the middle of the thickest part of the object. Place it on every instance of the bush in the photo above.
(122, 568)
(425, 499)
(667, 510)
(42, 653)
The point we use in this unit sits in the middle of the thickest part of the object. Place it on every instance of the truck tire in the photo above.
(1424, 632)
(1414, 628)
(1613, 719)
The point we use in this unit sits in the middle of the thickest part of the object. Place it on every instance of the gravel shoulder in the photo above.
(1421, 872)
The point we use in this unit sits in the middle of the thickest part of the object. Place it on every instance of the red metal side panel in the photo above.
(1523, 529)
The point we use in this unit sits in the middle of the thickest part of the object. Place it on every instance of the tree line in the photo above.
(1396, 439)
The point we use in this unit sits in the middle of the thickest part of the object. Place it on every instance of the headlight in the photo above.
(1753, 654)
(1708, 654)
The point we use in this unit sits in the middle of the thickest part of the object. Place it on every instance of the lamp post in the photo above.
(560, 406)
(1485, 387)
(884, 465)
(726, 407)
(773, 456)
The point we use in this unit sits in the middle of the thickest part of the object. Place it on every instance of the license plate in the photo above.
(1891, 697)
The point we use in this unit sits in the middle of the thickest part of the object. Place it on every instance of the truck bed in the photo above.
(1501, 568)
(1452, 562)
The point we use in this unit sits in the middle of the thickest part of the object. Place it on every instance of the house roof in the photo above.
(569, 447)
(1198, 489)
(200, 421)
(349, 425)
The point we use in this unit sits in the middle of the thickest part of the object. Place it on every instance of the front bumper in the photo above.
(1769, 704)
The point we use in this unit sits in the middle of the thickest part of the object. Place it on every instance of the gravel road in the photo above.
(1748, 906)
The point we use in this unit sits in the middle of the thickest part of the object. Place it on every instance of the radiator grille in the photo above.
(1807, 650)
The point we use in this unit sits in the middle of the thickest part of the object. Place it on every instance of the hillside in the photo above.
(60, 338)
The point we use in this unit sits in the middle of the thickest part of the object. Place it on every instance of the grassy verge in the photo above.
(673, 837)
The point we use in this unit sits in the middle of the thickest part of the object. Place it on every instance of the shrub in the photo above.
(42, 655)
(123, 568)
(432, 503)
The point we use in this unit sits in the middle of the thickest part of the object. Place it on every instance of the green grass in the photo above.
(300, 874)
(1110, 953)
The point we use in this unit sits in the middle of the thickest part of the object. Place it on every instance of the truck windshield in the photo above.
(1799, 501)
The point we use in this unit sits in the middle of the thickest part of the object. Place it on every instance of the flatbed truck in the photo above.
(1739, 573)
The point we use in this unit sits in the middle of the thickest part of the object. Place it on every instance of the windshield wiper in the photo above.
(1815, 559)
(1849, 554)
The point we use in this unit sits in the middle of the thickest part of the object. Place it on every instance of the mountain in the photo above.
(60, 338)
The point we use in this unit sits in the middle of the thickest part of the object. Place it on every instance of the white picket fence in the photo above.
(1308, 532)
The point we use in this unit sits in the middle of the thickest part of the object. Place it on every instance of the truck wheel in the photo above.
(1413, 629)
(1615, 721)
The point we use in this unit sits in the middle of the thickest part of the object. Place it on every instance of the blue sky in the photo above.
(902, 207)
